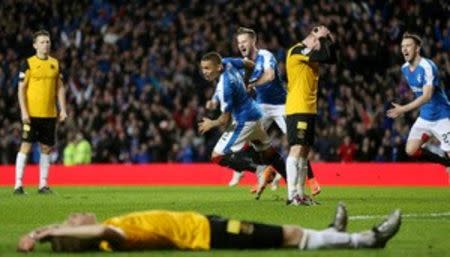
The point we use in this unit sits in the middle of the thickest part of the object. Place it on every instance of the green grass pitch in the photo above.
(425, 230)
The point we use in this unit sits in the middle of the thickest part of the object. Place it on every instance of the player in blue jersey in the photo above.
(434, 118)
(242, 118)
(270, 94)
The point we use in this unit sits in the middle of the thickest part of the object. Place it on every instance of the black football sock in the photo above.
(426, 155)
(310, 171)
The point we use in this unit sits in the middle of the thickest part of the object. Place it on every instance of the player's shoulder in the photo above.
(298, 48)
(266, 53)
(427, 64)
(405, 66)
(53, 60)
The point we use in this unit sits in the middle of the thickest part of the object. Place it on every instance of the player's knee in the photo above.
(216, 158)
(292, 235)
(25, 148)
(412, 151)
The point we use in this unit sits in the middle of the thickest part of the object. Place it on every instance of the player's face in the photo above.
(409, 49)
(210, 70)
(42, 45)
(245, 44)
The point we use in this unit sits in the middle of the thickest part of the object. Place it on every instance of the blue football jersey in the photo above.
(426, 73)
(232, 96)
(273, 92)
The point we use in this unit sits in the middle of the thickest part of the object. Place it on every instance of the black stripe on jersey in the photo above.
(298, 49)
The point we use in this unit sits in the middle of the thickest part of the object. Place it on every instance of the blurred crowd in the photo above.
(134, 89)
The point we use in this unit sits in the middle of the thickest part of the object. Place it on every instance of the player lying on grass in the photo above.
(160, 229)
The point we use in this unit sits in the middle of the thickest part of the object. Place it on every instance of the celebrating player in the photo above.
(39, 87)
(422, 77)
(242, 117)
(161, 229)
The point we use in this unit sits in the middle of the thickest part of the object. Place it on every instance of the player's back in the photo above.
(233, 97)
(426, 73)
(160, 229)
(272, 92)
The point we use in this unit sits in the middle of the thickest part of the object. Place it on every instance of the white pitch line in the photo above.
(409, 215)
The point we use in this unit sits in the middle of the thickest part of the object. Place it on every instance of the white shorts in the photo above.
(238, 134)
(273, 113)
(440, 129)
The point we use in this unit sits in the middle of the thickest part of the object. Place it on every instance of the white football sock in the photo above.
(44, 164)
(302, 173)
(313, 239)
(260, 174)
(292, 176)
(21, 160)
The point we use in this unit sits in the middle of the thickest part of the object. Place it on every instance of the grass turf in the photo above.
(422, 233)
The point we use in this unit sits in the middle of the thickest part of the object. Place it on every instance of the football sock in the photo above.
(302, 170)
(277, 162)
(313, 239)
(426, 155)
(21, 160)
(292, 176)
(44, 164)
(310, 171)
(238, 161)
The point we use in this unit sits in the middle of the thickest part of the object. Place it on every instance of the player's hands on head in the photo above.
(320, 31)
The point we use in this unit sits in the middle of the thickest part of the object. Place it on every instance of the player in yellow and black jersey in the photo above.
(40, 87)
(302, 64)
(161, 229)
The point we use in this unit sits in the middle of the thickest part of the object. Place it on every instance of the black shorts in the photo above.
(300, 129)
(40, 130)
(236, 234)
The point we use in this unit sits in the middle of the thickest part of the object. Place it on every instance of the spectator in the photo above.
(347, 150)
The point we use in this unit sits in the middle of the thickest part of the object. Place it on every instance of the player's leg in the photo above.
(46, 137)
(269, 156)
(300, 131)
(28, 137)
(442, 133)
(416, 139)
(314, 185)
(332, 238)
(229, 150)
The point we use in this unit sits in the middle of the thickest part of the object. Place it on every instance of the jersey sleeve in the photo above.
(428, 75)
(223, 95)
(237, 63)
(23, 71)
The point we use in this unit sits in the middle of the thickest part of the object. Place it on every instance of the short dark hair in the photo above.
(213, 57)
(414, 37)
(244, 30)
(41, 32)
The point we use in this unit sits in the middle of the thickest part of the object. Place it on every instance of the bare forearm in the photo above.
(22, 99)
(223, 120)
(62, 97)
(82, 232)
(267, 76)
(419, 101)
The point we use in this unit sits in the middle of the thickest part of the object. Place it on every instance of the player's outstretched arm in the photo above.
(419, 101)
